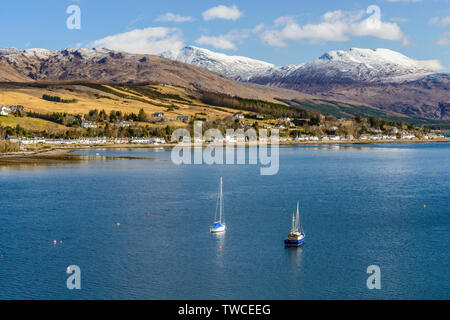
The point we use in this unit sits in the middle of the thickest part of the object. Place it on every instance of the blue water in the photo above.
(372, 205)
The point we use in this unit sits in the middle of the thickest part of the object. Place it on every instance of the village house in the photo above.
(284, 119)
(407, 136)
(87, 124)
(335, 138)
(32, 140)
(157, 140)
(12, 139)
(123, 124)
(376, 137)
(183, 118)
(302, 138)
(393, 130)
(158, 116)
(16, 108)
(238, 116)
(364, 137)
(4, 111)
(140, 140)
(120, 140)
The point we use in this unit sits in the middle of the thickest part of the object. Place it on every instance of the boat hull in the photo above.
(293, 243)
(218, 229)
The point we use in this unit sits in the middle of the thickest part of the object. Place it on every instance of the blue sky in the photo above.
(281, 32)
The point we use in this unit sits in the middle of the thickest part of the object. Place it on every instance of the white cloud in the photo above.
(442, 22)
(143, 41)
(431, 64)
(445, 40)
(172, 17)
(222, 12)
(334, 26)
(224, 41)
(219, 42)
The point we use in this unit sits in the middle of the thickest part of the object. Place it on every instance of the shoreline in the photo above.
(58, 154)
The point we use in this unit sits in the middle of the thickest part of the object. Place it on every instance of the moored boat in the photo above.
(296, 237)
(219, 220)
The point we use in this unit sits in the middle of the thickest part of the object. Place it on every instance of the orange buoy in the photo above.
(118, 224)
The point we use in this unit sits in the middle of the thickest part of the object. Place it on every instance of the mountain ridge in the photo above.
(104, 65)
(358, 76)
(382, 78)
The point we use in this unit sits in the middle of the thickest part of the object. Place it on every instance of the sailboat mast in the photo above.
(298, 217)
(221, 201)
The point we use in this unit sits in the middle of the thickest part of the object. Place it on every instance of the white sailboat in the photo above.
(296, 237)
(219, 221)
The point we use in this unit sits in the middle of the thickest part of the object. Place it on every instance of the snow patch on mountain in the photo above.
(234, 67)
(13, 54)
(380, 65)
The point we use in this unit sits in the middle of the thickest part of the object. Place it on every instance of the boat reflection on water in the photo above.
(295, 257)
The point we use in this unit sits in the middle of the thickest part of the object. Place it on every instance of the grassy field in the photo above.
(173, 101)
(31, 124)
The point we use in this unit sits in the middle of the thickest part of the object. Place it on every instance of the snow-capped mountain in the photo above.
(380, 65)
(381, 78)
(13, 54)
(233, 67)
(106, 66)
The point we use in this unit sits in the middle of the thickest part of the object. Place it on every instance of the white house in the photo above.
(407, 136)
(88, 124)
(4, 111)
(393, 130)
(364, 137)
(158, 115)
(238, 116)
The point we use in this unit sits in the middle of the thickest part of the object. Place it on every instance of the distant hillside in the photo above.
(103, 65)
(426, 98)
(381, 78)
